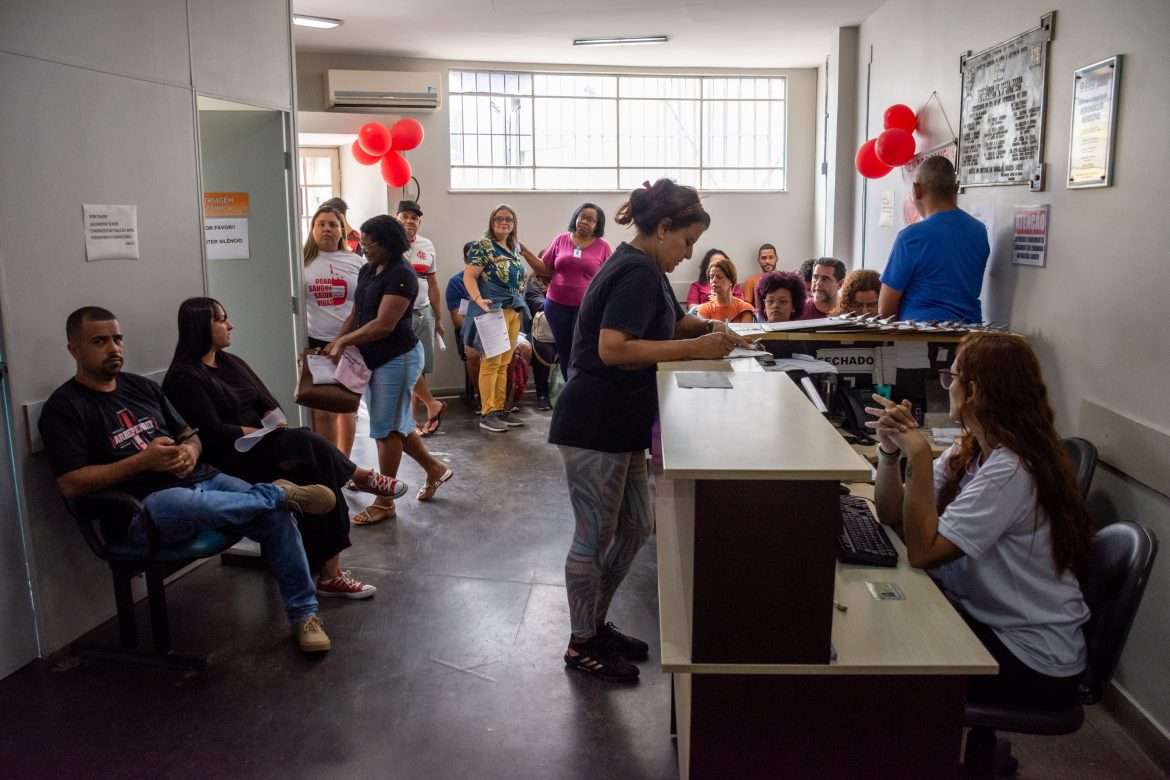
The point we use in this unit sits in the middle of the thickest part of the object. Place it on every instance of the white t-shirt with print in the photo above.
(329, 285)
(1007, 576)
(421, 257)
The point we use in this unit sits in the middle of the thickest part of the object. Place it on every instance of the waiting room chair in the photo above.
(1120, 559)
(1084, 458)
(101, 516)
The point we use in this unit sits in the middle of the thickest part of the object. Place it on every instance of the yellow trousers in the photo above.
(493, 371)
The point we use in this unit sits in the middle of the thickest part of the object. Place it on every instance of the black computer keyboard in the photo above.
(862, 538)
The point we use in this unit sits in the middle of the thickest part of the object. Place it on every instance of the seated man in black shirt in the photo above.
(106, 429)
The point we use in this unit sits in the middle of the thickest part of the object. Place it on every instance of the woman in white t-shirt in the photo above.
(330, 276)
(997, 519)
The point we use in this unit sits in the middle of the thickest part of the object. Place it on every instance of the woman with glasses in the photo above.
(571, 261)
(380, 327)
(997, 519)
(494, 277)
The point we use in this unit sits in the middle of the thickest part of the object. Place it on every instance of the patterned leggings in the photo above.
(610, 495)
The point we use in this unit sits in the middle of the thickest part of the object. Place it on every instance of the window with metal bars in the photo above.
(580, 131)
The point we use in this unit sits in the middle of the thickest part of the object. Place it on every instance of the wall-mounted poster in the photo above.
(1094, 116)
(1030, 243)
(225, 225)
(1001, 124)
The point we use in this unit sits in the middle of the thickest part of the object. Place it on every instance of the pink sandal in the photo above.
(379, 485)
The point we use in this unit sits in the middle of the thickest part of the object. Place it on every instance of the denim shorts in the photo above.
(388, 394)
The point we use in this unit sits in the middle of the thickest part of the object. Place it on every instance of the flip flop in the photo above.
(374, 514)
(437, 420)
(427, 491)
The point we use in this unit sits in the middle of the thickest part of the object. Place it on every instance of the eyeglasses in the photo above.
(504, 220)
(946, 377)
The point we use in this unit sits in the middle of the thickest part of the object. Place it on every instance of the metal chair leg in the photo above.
(160, 625)
(124, 601)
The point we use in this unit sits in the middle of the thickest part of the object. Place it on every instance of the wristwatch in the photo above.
(710, 326)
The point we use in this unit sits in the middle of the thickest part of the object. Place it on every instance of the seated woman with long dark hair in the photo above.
(219, 394)
(997, 519)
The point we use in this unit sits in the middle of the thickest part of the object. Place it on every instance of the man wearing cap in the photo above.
(427, 326)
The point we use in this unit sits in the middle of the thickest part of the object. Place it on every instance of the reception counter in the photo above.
(784, 663)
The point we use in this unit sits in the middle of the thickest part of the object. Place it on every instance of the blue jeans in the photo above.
(562, 319)
(255, 511)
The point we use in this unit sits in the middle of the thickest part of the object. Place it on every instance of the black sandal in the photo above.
(594, 658)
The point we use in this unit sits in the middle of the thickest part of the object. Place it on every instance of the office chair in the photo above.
(1120, 558)
(1084, 458)
(101, 516)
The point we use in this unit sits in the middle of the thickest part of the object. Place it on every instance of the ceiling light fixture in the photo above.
(629, 41)
(316, 22)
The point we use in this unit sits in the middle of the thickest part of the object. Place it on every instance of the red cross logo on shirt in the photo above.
(131, 431)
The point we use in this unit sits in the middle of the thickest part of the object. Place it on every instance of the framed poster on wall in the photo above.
(1092, 124)
(1001, 122)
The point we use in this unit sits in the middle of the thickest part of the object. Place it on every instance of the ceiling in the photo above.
(706, 34)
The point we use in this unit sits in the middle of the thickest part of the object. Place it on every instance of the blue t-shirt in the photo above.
(937, 265)
(456, 291)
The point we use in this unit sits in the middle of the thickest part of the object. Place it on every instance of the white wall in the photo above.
(1095, 314)
(99, 108)
(740, 222)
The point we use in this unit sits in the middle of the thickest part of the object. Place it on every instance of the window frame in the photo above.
(333, 153)
(701, 100)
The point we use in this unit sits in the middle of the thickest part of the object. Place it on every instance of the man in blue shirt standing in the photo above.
(935, 270)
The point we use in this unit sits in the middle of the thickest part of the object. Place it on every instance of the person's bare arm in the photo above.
(471, 274)
(162, 454)
(622, 350)
(539, 267)
(433, 297)
(889, 300)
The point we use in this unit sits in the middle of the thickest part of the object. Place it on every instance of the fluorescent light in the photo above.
(628, 41)
(317, 22)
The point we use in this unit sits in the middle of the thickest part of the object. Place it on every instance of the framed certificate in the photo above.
(1093, 124)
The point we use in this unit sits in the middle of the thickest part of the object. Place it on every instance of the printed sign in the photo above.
(111, 232)
(225, 225)
(1030, 245)
(849, 361)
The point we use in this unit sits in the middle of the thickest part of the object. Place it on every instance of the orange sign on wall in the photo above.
(225, 204)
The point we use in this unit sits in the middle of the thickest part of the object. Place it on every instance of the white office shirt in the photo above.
(329, 284)
(421, 256)
(1007, 577)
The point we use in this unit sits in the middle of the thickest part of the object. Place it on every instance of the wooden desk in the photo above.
(747, 511)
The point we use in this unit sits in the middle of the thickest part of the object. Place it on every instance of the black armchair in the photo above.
(103, 517)
(1084, 459)
(1120, 560)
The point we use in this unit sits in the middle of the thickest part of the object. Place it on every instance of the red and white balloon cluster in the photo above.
(894, 147)
(377, 143)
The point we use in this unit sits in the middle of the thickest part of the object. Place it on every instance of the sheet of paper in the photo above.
(111, 232)
(463, 304)
(745, 352)
(746, 328)
(321, 369)
(271, 421)
(945, 435)
(703, 379)
(493, 333)
(351, 371)
(806, 363)
(885, 365)
(823, 323)
(911, 354)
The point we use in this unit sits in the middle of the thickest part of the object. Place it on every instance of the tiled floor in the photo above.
(452, 671)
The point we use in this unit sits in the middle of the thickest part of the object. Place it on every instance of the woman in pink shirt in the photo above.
(572, 260)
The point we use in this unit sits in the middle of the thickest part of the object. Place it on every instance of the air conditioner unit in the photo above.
(382, 91)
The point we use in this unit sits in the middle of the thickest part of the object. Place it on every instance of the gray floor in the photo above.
(453, 670)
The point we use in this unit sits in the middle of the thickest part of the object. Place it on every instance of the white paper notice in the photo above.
(912, 354)
(886, 215)
(271, 421)
(493, 333)
(226, 237)
(111, 232)
(1030, 245)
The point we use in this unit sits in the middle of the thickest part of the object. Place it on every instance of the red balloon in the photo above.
(395, 169)
(868, 165)
(406, 134)
(894, 147)
(374, 139)
(360, 155)
(900, 117)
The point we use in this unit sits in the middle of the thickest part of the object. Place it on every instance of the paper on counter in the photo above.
(806, 363)
(746, 328)
(945, 435)
(746, 352)
(270, 422)
(703, 379)
(493, 333)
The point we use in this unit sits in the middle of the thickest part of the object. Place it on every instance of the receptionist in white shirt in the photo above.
(997, 519)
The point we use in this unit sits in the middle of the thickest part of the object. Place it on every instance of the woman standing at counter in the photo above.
(629, 321)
